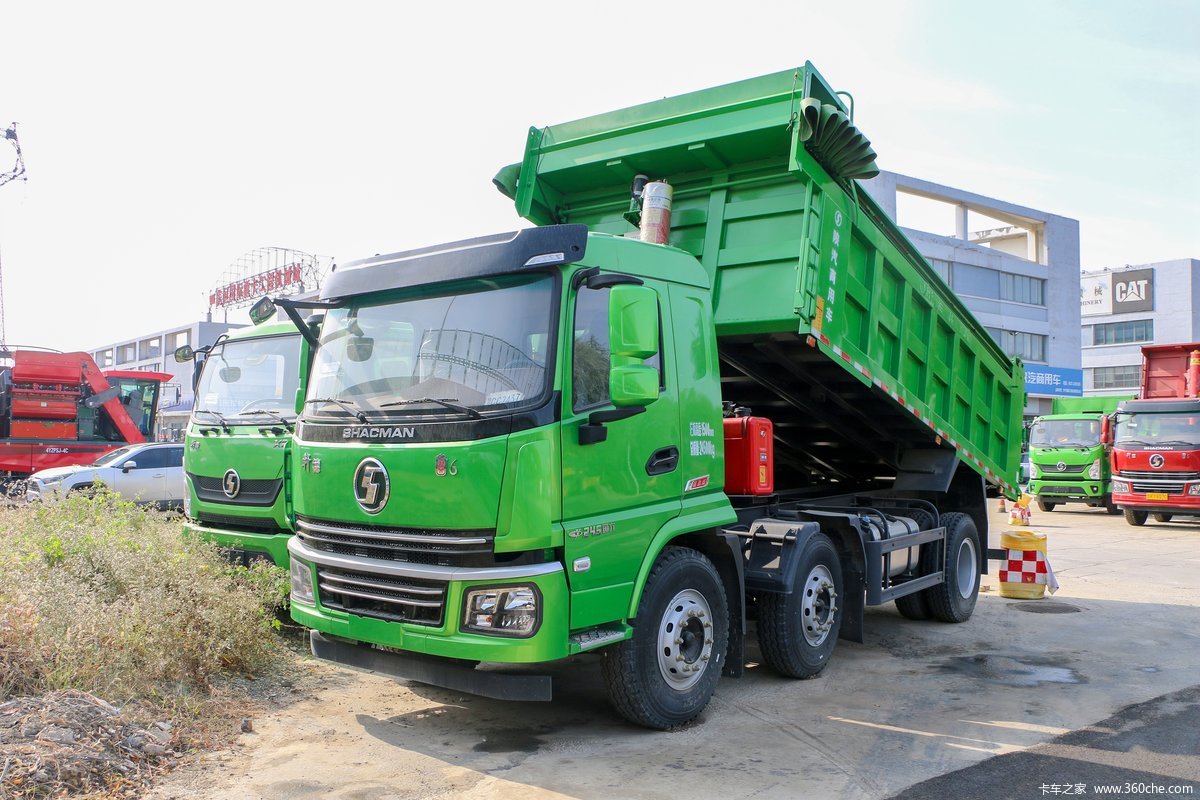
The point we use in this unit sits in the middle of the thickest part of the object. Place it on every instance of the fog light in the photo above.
(1120, 487)
(302, 584)
(502, 610)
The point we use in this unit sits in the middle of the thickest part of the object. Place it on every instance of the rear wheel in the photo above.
(665, 675)
(1160, 517)
(1045, 505)
(953, 600)
(1135, 517)
(798, 631)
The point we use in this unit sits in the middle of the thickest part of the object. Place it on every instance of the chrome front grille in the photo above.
(420, 602)
(416, 545)
(251, 491)
(1050, 470)
(1144, 482)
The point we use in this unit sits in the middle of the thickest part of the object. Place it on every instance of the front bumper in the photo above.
(1174, 504)
(245, 544)
(548, 643)
(1068, 489)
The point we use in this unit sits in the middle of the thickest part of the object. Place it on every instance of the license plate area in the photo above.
(1157, 496)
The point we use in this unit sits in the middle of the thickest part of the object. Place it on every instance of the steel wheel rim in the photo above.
(967, 569)
(818, 605)
(685, 640)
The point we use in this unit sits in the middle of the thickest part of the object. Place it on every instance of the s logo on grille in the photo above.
(231, 484)
(371, 486)
(1062, 466)
(1157, 460)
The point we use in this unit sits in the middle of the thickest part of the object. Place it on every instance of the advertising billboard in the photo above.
(1042, 381)
(1116, 292)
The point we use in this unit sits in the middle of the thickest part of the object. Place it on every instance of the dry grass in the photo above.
(101, 597)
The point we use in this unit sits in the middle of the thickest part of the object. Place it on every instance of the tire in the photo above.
(1159, 517)
(1135, 517)
(1044, 505)
(953, 600)
(1110, 506)
(916, 606)
(798, 631)
(644, 675)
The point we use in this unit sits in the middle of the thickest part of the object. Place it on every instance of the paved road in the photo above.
(1025, 688)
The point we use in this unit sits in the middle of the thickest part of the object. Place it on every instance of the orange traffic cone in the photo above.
(1002, 509)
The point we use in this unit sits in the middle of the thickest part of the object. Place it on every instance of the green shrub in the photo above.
(99, 595)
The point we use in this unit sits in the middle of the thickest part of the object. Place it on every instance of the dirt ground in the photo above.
(914, 702)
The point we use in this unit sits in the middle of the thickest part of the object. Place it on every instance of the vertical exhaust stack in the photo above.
(1193, 374)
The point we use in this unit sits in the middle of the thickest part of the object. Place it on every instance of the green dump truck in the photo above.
(527, 446)
(239, 439)
(1068, 462)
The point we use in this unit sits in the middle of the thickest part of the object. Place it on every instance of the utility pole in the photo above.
(16, 173)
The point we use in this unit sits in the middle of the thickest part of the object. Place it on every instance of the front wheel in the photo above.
(798, 631)
(1135, 517)
(1110, 506)
(953, 600)
(665, 675)
(1045, 506)
(1160, 517)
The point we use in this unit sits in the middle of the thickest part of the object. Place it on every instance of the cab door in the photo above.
(617, 492)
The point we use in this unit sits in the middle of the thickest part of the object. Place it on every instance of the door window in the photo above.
(591, 357)
(150, 459)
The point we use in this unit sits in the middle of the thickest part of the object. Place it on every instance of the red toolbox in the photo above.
(749, 456)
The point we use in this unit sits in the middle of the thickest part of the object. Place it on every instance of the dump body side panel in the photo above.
(829, 320)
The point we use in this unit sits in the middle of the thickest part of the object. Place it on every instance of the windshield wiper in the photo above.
(444, 402)
(1177, 441)
(1134, 441)
(358, 414)
(287, 423)
(224, 423)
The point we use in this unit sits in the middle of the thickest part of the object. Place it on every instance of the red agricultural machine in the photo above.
(58, 409)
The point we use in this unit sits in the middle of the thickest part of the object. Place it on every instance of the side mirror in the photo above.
(262, 311)
(128, 465)
(633, 338)
(184, 354)
(1106, 429)
(230, 374)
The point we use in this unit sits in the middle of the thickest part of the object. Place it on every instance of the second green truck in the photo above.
(1068, 461)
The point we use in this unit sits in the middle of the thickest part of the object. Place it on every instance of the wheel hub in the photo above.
(818, 605)
(966, 568)
(685, 640)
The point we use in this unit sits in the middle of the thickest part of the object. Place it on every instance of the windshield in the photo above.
(251, 377)
(109, 458)
(483, 348)
(1158, 429)
(1065, 433)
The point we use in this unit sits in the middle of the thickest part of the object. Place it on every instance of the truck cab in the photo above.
(1068, 461)
(239, 439)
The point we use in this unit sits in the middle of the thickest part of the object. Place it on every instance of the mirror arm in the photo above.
(594, 432)
(603, 281)
(290, 307)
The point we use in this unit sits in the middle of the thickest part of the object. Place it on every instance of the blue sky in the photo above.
(162, 144)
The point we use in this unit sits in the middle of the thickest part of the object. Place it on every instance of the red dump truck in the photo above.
(1156, 438)
(58, 409)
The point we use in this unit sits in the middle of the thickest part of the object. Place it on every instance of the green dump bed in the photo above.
(828, 319)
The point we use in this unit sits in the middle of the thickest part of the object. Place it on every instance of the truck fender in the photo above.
(725, 552)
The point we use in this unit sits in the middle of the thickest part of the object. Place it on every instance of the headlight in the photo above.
(302, 585)
(503, 610)
(187, 498)
(51, 480)
(1120, 487)
(1194, 489)
(1094, 470)
(1034, 472)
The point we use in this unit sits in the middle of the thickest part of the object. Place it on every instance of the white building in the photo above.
(1015, 268)
(154, 352)
(1123, 309)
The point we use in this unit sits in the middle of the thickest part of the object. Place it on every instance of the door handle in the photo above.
(159, 475)
(662, 461)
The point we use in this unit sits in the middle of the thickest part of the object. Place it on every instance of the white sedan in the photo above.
(144, 473)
